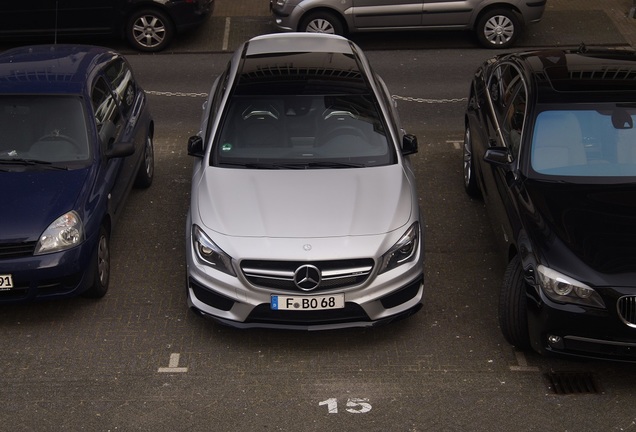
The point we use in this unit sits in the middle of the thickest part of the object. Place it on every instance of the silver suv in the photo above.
(497, 23)
(304, 212)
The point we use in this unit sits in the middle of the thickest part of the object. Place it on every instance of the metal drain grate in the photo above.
(564, 383)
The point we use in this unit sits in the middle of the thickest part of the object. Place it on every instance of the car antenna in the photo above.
(55, 31)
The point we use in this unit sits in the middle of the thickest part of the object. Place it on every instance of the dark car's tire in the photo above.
(498, 28)
(470, 182)
(322, 22)
(149, 30)
(513, 312)
(147, 168)
(101, 266)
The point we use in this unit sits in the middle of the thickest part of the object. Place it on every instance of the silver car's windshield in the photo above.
(592, 142)
(299, 132)
(45, 129)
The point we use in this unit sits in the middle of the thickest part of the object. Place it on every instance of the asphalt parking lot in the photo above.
(140, 360)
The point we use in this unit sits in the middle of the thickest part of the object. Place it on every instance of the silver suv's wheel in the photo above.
(322, 22)
(498, 28)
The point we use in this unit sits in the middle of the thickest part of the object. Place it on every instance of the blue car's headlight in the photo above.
(564, 289)
(209, 253)
(403, 251)
(65, 232)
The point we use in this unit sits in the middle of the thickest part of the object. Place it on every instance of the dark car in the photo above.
(148, 25)
(550, 145)
(75, 135)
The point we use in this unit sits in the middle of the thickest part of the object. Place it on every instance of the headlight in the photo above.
(280, 3)
(65, 232)
(210, 253)
(564, 289)
(403, 251)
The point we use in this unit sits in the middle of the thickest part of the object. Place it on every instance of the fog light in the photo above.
(555, 341)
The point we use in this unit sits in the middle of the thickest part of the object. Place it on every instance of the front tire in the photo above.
(322, 22)
(470, 182)
(149, 30)
(101, 269)
(498, 29)
(513, 312)
(147, 168)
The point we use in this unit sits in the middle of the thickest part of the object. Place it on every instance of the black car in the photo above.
(550, 145)
(148, 25)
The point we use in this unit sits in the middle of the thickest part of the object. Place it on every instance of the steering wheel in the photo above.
(60, 137)
(341, 131)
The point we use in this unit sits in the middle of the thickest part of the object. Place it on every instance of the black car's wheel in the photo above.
(498, 28)
(147, 168)
(513, 313)
(149, 30)
(101, 266)
(470, 182)
(322, 22)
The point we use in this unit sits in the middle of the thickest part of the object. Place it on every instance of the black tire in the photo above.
(147, 168)
(513, 312)
(470, 181)
(498, 28)
(101, 266)
(322, 22)
(149, 30)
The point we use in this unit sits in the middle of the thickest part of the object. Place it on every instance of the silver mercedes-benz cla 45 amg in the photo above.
(304, 211)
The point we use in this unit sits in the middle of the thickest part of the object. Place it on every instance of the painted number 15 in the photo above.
(354, 405)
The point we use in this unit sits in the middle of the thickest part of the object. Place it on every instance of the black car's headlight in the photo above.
(564, 289)
(403, 251)
(209, 253)
(65, 232)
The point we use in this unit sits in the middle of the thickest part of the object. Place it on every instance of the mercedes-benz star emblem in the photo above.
(307, 277)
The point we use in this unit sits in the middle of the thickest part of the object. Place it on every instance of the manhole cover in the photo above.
(564, 383)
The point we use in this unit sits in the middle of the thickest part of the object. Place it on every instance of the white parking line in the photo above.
(173, 365)
(226, 33)
(522, 364)
(457, 144)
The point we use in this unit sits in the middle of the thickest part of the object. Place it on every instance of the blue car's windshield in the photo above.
(43, 129)
(589, 141)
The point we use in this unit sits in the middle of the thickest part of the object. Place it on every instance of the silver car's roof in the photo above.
(297, 42)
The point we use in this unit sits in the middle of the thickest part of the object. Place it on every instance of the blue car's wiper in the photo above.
(31, 162)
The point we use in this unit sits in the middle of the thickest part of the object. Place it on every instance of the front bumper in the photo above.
(575, 331)
(51, 276)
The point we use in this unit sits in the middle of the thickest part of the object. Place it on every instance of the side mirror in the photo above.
(409, 144)
(195, 146)
(499, 156)
(118, 150)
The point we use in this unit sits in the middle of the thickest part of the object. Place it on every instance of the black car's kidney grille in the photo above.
(16, 250)
(279, 275)
(627, 310)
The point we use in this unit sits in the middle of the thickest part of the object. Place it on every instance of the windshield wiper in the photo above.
(31, 162)
(324, 164)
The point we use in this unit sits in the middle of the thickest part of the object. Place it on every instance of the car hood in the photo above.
(31, 200)
(595, 222)
(304, 203)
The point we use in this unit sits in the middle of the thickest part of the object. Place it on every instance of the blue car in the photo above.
(76, 134)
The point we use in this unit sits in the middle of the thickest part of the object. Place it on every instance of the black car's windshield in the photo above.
(42, 129)
(296, 132)
(594, 142)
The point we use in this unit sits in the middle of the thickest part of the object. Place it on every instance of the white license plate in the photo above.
(306, 303)
(6, 282)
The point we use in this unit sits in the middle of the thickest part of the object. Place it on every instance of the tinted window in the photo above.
(343, 129)
(107, 116)
(121, 80)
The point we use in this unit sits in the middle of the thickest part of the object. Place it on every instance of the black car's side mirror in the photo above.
(195, 146)
(499, 156)
(409, 144)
